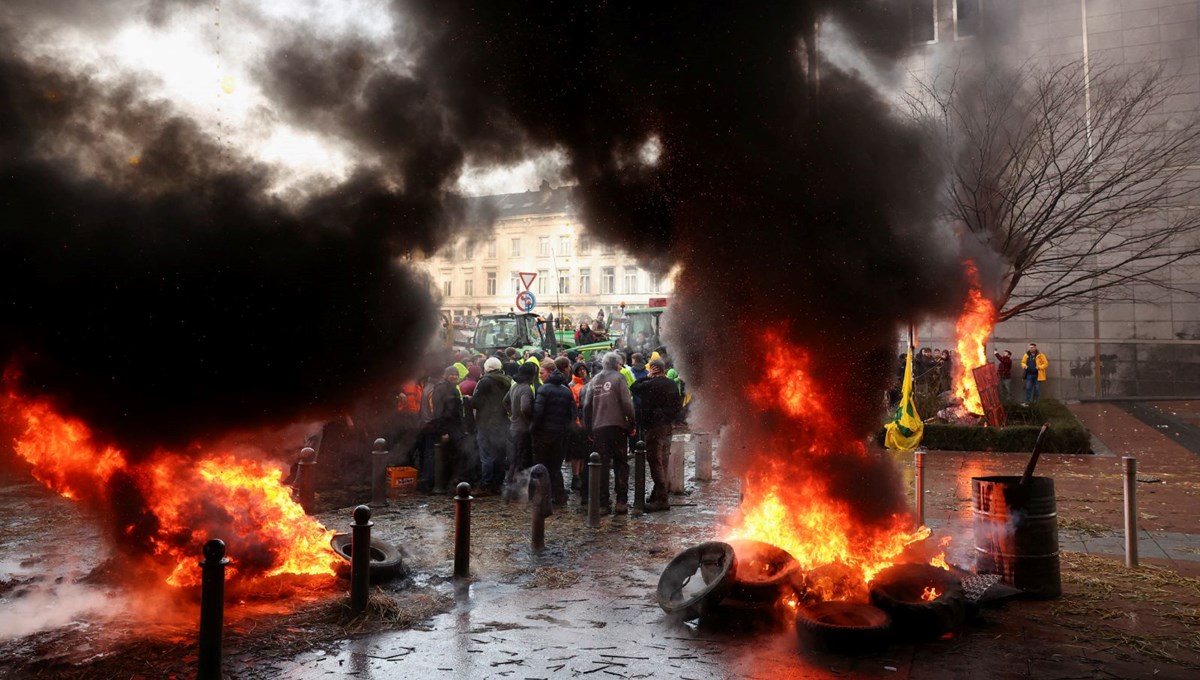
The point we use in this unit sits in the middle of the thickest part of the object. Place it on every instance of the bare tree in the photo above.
(1080, 180)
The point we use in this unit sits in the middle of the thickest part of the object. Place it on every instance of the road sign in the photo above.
(526, 301)
(527, 278)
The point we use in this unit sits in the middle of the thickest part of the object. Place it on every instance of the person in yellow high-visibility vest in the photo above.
(1033, 367)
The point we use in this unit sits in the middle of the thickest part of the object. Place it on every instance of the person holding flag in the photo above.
(904, 432)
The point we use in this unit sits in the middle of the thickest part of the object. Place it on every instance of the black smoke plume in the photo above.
(698, 134)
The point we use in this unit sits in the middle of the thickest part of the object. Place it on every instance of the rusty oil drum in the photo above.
(1016, 533)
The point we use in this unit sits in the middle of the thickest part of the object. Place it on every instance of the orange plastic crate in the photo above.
(401, 480)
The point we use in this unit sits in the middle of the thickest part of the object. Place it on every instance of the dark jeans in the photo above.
(658, 452)
(1031, 388)
(548, 449)
(493, 456)
(612, 445)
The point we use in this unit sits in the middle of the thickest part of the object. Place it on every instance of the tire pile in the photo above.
(750, 585)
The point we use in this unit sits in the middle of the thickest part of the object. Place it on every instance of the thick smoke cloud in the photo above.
(172, 298)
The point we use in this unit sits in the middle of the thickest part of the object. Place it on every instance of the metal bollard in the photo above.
(920, 487)
(594, 490)
(538, 537)
(360, 559)
(379, 474)
(639, 476)
(1131, 530)
(675, 468)
(439, 468)
(306, 478)
(704, 457)
(462, 531)
(212, 609)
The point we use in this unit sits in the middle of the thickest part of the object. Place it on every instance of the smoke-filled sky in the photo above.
(202, 203)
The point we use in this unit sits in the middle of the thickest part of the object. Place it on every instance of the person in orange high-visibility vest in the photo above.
(1033, 366)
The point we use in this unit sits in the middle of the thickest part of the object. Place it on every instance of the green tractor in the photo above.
(525, 331)
(639, 331)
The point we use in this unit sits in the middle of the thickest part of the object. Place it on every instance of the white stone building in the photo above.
(539, 232)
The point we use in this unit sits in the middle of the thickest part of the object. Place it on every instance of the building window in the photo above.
(516, 283)
(491, 283)
(491, 249)
(541, 279)
(585, 280)
(608, 249)
(923, 20)
(585, 244)
(655, 282)
(564, 283)
(450, 252)
(607, 280)
(544, 246)
(631, 280)
(564, 245)
(516, 247)
(966, 18)
(446, 288)
(470, 248)
(469, 286)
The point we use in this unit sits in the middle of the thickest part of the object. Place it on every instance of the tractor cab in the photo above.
(499, 331)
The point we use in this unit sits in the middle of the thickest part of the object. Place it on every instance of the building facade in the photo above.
(1149, 343)
(540, 233)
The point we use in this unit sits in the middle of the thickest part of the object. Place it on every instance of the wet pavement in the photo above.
(585, 607)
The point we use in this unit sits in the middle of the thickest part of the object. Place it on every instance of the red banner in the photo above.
(987, 381)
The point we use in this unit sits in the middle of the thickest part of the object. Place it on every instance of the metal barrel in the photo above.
(1016, 532)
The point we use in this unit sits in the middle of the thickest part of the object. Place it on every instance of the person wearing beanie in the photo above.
(553, 413)
(638, 367)
(518, 404)
(658, 405)
(491, 426)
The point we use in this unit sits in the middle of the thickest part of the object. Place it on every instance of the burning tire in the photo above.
(713, 562)
(843, 627)
(386, 559)
(924, 601)
(764, 573)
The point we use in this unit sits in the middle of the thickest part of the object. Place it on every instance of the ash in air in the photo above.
(155, 287)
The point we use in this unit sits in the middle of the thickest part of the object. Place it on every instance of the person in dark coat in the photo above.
(491, 425)
(448, 425)
(553, 414)
(518, 404)
(658, 403)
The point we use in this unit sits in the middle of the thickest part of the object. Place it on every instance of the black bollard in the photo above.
(379, 474)
(360, 559)
(212, 609)
(439, 468)
(639, 476)
(462, 531)
(594, 490)
(306, 478)
(538, 538)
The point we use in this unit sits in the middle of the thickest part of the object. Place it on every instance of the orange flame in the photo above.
(188, 500)
(939, 560)
(930, 594)
(797, 512)
(972, 329)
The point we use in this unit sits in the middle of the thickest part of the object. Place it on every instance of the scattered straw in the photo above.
(1139, 612)
(553, 578)
(1084, 526)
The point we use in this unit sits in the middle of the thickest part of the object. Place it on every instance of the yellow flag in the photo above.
(905, 430)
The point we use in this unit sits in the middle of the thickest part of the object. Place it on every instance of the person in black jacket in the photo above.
(553, 414)
(491, 425)
(448, 425)
(658, 404)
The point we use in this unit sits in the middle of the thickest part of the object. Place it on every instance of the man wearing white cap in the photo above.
(491, 425)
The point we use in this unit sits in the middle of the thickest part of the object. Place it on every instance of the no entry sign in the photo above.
(526, 301)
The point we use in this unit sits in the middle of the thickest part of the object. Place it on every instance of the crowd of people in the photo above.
(495, 417)
(933, 373)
